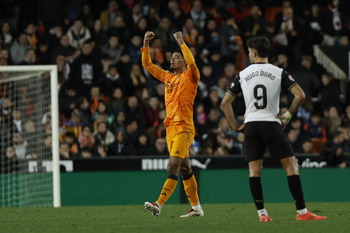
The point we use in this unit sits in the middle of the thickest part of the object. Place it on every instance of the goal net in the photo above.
(29, 163)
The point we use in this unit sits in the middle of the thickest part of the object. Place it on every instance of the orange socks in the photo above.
(191, 189)
(168, 188)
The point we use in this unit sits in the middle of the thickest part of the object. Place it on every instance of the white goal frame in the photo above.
(54, 117)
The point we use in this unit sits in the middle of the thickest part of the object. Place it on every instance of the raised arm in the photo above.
(147, 63)
(188, 56)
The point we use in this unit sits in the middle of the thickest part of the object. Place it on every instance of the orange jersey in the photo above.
(180, 90)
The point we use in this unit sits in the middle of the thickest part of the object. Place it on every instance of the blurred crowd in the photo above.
(110, 106)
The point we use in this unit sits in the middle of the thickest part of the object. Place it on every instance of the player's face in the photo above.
(177, 61)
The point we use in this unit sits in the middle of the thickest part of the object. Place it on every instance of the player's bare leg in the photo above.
(290, 165)
(255, 168)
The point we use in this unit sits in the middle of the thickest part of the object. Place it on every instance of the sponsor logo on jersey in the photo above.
(291, 78)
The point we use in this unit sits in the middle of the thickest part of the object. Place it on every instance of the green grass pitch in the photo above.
(231, 218)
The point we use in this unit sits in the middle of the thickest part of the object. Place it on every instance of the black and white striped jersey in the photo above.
(261, 85)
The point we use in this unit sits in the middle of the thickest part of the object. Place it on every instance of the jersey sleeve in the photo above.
(235, 87)
(191, 64)
(287, 81)
(154, 70)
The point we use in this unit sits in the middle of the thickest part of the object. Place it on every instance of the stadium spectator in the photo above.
(230, 38)
(293, 138)
(134, 48)
(332, 22)
(135, 15)
(307, 147)
(98, 34)
(220, 87)
(65, 49)
(175, 14)
(152, 112)
(30, 58)
(102, 109)
(225, 139)
(67, 99)
(107, 16)
(157, 51)
(120, 29)
(86, 153)
(113, 49)
(198, 15)
(105, 138)
(86, 70)
(315, 128)
(190, 32)
(307, 79)
(252, 23)
(164, 31)
(86, 139)
(112, 80)
(6, 35)
(143, 146)
(120, 120)
(19, 48)
(217, 63)
(20, 145)
(152, 17)
(87, 16)
(84, 110)
(212, 101)
(50, 13)
(122, 146)
(72, 141)
(160, 147)
(136, 81)
(134, 111)
(207, 76)
(78, 34)
(330, 93)
(64, 151)
(332, 121)
(9, 162)
(333, 151)
(117, 101)
(287, 29)
(17, 119)
(74, 125)
(32, 38)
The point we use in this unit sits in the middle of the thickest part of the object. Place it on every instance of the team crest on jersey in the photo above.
(291, 78)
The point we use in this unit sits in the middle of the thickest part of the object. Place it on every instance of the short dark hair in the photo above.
(261, 44)
(179, 51)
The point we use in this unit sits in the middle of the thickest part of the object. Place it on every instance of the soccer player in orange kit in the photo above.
(180, 92)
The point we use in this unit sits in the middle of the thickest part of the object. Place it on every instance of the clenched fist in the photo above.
(149, 36)
(179, 37)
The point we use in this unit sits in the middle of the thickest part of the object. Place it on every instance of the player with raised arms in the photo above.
(180, 92)
(261, 84)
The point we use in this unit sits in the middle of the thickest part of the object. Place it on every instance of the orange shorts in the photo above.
(179, 138)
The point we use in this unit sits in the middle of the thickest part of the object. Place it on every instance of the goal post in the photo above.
(27, 180)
